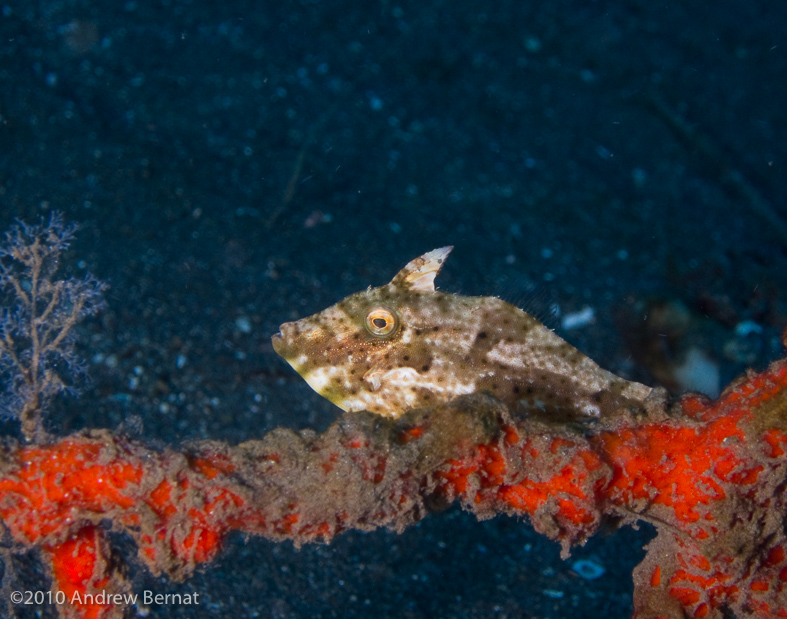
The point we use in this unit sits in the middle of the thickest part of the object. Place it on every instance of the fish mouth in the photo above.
(278, 342)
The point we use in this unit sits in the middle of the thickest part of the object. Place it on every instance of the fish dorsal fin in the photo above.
(419, 274)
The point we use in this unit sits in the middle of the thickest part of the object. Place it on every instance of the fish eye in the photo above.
(381, 321)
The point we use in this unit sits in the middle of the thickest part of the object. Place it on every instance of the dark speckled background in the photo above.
(235, 165)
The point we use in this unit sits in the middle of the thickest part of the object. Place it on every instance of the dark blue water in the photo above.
(235, 165)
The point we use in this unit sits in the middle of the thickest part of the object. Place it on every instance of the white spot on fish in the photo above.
(318, 379)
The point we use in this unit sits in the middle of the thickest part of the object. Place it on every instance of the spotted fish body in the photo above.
(406, 345)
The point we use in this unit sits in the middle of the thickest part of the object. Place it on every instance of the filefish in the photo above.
(406, 345)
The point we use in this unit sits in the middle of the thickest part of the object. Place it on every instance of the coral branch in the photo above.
(710, 476)
(36, 337)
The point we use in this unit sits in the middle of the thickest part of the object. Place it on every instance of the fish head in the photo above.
(375, 350)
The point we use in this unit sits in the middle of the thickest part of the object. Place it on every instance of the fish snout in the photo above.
(284, 337)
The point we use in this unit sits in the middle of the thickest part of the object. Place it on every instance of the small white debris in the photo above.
(180, 362)
(243, 324)
(589, 570)
(582, 318)
(698, 373)
(553, 593)
(747, 327)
